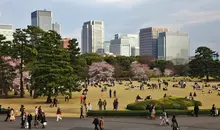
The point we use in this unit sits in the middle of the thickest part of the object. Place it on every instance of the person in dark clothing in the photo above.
(81, 112)
(29, 119)
(23, 119)
(96, 123)
(115, 93)
(8, 114)
(39, 113)
(213, 110)
(174, 125)
(22, 110)
(43, 120)
(196, 110)
(55, 102)
(110, 93)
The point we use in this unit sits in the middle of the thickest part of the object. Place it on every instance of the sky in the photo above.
(199, 18)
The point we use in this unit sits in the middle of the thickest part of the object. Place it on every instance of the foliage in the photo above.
(139, 71)
(168, 72)
(204, 65)
(167, 103)
(53, 73)
(101, 71)
(91, 57)
(145, 59)
(162, 65)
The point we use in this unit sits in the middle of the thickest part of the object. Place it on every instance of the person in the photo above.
(96, 123)
(114, 93)
(67, 98)
(8, 114)
(12, 115)
(101, 123)
(164, 119)
(100, 104)
(55, 102)
(59, 114)
(23, 119)
(29, 119)
(89, 107)
(43, 120)
(196, 110)
(104, 104)
(194, 94)
(115, 105)
(39, 113)
(110, 93)
(174, 125)
(22, 110)
(213, 110)
(153, 112)
(81, 112)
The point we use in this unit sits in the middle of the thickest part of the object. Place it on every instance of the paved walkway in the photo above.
(186, 123)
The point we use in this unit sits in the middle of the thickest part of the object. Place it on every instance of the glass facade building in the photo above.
(174, 46)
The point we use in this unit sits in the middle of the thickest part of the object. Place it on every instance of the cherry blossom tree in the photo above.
(140, 71)
(101, 71)
(168, 72)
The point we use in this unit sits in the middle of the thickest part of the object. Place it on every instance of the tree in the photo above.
(203, 65)
(145, 59)
(101, 71)
(73, 50)
(168, 72)
(52, 72)
(7, 71)
(162, 65)
(92, 57)
(140, 71)
(23, 51)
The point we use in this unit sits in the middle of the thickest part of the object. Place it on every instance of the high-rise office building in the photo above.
(56, 27)
(149, 40)
(42, 19)
(7, 31)
(92, 36)
(174, 46)
(123, 43)
(107, 46)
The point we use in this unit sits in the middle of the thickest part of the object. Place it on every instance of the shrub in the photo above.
(166, 103)
(3, 111)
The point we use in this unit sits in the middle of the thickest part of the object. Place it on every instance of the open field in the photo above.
(124, 96)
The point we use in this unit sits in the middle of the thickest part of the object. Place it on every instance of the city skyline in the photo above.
(199, 18)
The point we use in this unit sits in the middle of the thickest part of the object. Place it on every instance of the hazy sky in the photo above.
(200, 18)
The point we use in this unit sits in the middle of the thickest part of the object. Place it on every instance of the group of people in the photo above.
(98, 123)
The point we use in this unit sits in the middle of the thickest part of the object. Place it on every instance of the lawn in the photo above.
(124, 96)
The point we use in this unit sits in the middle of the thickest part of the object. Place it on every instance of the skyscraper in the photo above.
(174, 46)
(56, 27)
(123, 43)
(149, 40)
(42, 19)
(7, 31)
(92, 36)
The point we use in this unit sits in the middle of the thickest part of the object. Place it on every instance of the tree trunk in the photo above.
(5, 90)
(21, 74)
(207, 78)
(48, 99)
(71, 96)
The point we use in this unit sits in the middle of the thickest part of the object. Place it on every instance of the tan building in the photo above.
(65, 42)
(148, 40)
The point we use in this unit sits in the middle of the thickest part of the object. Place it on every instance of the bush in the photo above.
(146, 113)
(166, 103)
(3, 111)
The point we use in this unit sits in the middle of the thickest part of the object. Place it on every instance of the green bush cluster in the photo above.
(166, 103)
(3, 111)
(146, 113)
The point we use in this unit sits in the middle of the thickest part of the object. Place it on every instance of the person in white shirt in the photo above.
(89, 107)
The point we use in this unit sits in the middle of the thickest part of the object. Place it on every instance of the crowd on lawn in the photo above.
(40, 117)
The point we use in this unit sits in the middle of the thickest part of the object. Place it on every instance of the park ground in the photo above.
(186, 123)
(72, 108)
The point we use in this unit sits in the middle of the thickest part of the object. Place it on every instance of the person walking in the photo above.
(59, 114)
(104, 104)
(22, 110)
(8, 114)
(96, 123)
(196, 110)
(174, 125)
(12, 115)
(81, 112)
(101, 123)
(23, 120)
(29, 120)
(43, 120)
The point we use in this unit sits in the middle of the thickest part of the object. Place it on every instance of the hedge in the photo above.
(3, 111)
(145, 113)
(166, 103)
